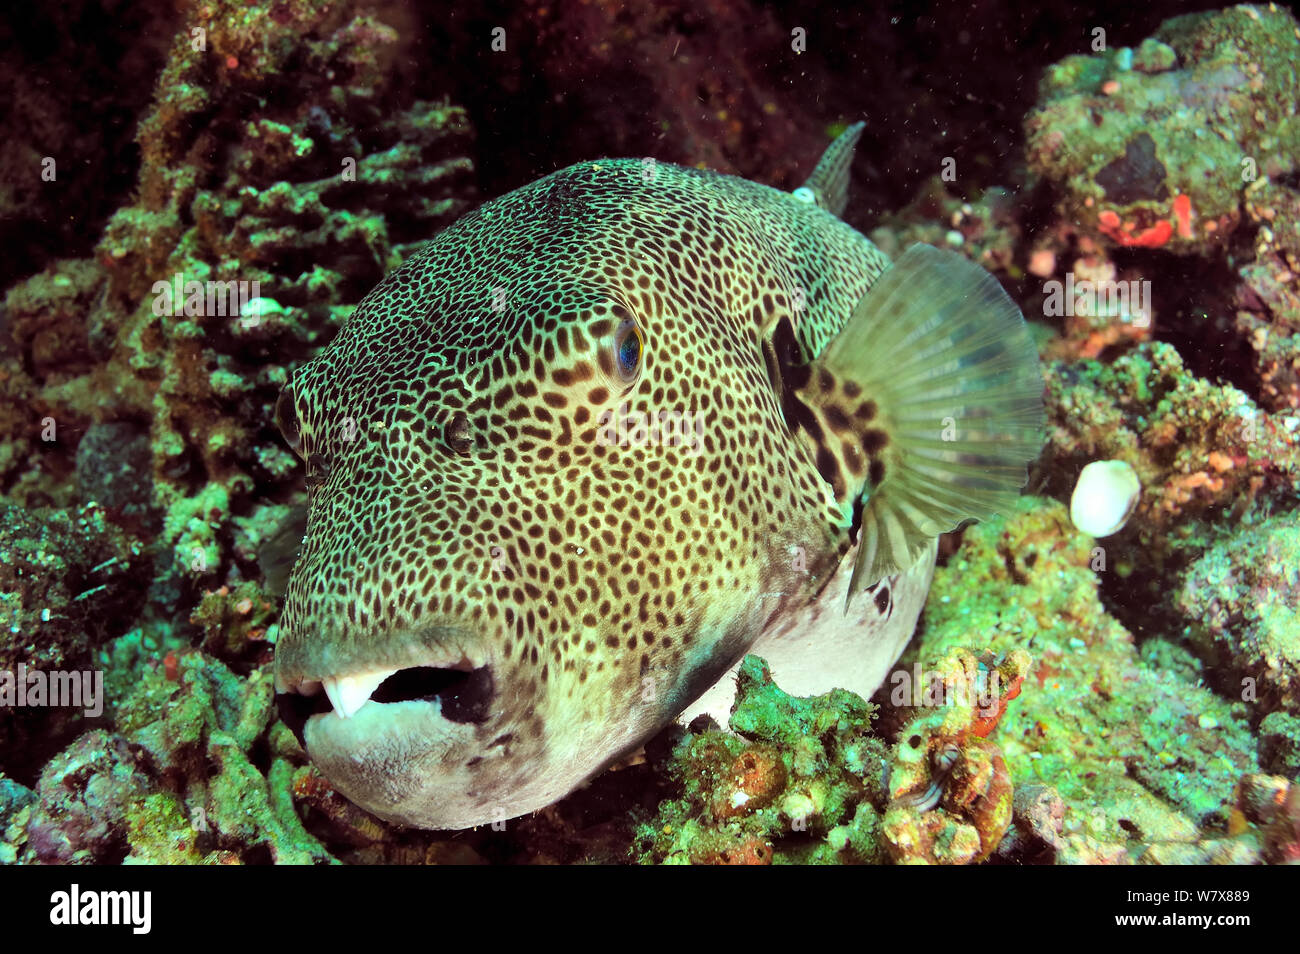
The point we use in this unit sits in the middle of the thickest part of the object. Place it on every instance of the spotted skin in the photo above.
(466, 514)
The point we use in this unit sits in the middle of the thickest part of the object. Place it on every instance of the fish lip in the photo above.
(311, 684)
(304, 660)
(388, 760)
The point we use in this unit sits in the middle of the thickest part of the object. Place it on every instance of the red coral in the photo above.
(1183, 213)
(983, 725)
(1108, 222)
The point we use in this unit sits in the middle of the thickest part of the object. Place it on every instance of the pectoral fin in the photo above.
(940, 355)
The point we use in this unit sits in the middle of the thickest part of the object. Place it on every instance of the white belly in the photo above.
(819, 647)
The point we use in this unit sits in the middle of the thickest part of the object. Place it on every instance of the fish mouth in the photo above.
(409, 745)
(462, 692)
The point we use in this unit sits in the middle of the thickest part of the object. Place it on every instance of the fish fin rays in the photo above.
(946, 355)
(828, 185)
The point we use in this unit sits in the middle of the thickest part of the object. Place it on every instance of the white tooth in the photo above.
(336, 698)
(349, 693)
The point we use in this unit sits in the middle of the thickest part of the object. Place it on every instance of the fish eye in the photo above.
(628, 350)
(286, 418)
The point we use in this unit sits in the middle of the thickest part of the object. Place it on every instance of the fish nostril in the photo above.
(458, 435)
(318, 471)
(464, 695)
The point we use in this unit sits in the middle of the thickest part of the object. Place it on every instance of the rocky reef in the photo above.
(142, 471)
(800, 781)
(1133, 699)
(175, 783)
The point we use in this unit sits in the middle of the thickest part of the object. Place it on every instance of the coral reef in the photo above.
(1196, 447)
(808, 780)
(799, 781)
(15, 813)
(1141, 701)
(1266, 300)
(1180, 146)
(83, 797)
(64, 575)
(1279, 744)
(238, 624)
(234, 264)
(1155, 147)
(1241, 599)
(949, 788)
(1185, 146)
(176, 782)
(1110, 733)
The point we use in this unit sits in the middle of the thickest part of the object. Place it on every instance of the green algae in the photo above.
(1208, 95)
(161, 831)
(1090, 712)
(796, 785)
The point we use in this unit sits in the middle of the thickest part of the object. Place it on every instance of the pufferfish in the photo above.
(601, 438)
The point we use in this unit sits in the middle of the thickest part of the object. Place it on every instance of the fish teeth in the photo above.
(347, 694)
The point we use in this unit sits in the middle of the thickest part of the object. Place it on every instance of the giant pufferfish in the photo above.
(601, 438)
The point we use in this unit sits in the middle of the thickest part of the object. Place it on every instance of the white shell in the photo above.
(1105, 495)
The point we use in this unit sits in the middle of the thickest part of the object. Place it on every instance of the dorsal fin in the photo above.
(828, 186)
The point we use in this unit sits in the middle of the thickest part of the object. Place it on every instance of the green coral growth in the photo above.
(795, 785)
(1200, 110)
(1091, 718)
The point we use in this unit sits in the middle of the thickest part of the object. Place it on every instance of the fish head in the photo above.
(552, 498)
